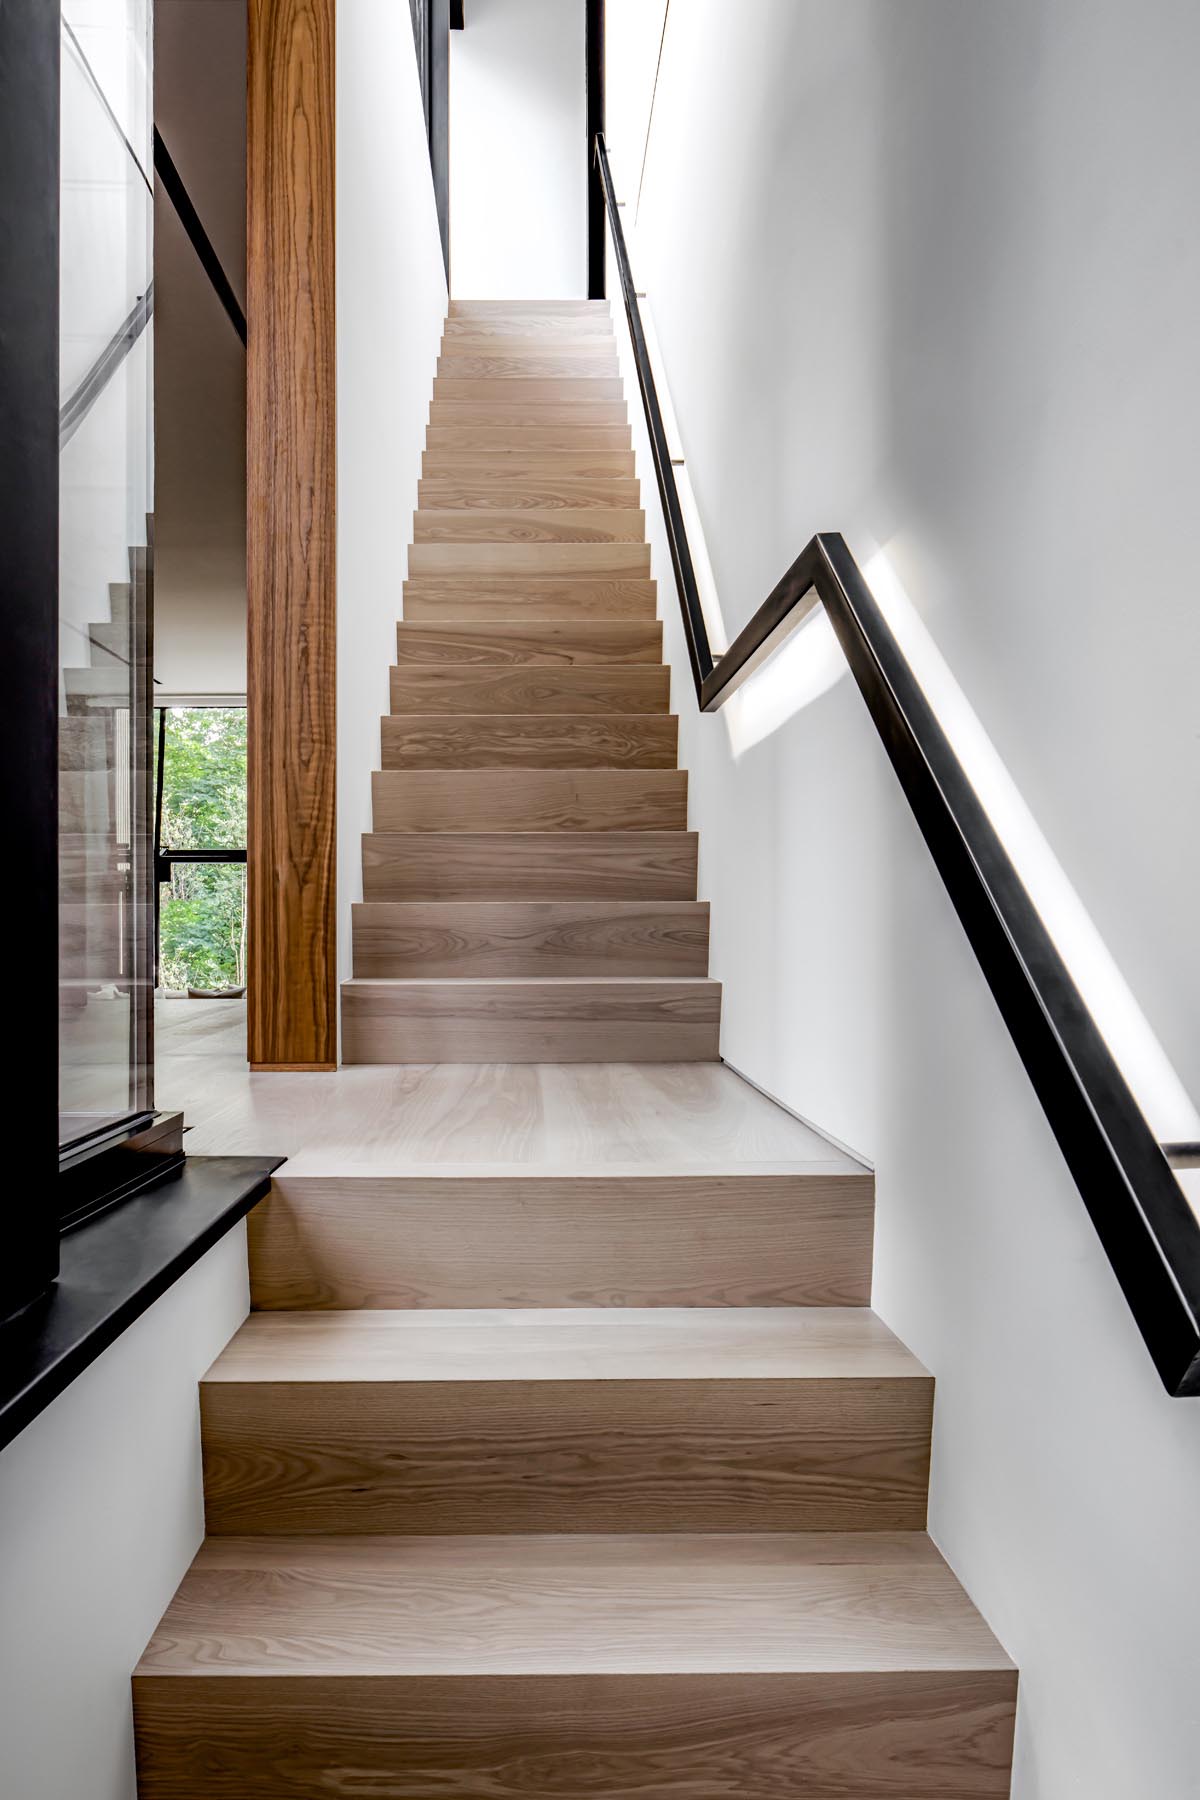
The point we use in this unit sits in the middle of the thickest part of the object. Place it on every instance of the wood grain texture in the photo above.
(291, 533)
(515, 938)
(757, 1238)
(455, 434)
(522, 597)
(585, 422)
(533, 328)
(540, 390)
(530, 865)
(598, 363)
(530, 741)
(840, 1666)
(531, 937)
(503, 492)
(815, 1603)
(618, 1419)
(936, 1735)
(548, 329)
(577, 690)
(529, 799)
(513, 465)
(507, 1119)
(530, 559)
(549, 642)
(529, 525)
(546, 1347)
(531, 1019)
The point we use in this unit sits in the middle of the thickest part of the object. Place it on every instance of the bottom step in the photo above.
(840, 1667)
(531, 1020)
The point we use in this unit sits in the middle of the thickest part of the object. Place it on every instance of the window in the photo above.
(200, 842)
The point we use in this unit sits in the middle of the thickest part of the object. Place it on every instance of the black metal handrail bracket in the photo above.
(1149, 1231)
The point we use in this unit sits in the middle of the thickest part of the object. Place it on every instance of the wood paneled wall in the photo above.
(291, 534)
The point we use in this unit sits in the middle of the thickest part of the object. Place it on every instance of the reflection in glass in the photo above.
(105, 585)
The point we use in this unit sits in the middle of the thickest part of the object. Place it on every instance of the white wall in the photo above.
(518, 151)
(391, 304)
(101, 1511)
(921, 274)
(200, 362)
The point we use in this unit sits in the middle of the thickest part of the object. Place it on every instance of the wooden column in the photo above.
(291, 535)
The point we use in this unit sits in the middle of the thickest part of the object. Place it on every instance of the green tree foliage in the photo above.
(202, 922)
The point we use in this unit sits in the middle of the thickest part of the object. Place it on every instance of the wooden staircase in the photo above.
(576, 1476)
(530, 882)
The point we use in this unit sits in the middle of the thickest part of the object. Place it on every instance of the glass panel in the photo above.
(202, 910)
(106, 891)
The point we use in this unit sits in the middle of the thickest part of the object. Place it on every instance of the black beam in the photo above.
(201, 243)
(29, 259)
(457, 21)
(595, 128)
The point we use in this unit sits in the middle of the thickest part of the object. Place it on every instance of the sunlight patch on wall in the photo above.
(1168, 1108)
(805, 666)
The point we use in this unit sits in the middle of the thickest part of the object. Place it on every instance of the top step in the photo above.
(464, 309)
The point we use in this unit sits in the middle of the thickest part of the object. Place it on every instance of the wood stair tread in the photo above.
(701, 1603)
(614, 1344)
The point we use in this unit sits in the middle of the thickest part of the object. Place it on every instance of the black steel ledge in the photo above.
(1148, 1229)
(113, 1269)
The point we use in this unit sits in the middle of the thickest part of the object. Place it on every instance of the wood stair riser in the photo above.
(529, 741)
(509, 939)
(500, 365)
(459, 599)
(451, 436)
(557, 643)
(527, 427)
(476, 491)
(574, 1456)
(546, 329)
(563, 690)
(850, 1736)
(531, 467)
(515, 390)
(539, 1020)
(635, 865)
(560, 1240)
(504, 800)
(525, 525)
(624, 559)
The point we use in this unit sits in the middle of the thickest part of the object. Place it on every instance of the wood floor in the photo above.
(561, 1454)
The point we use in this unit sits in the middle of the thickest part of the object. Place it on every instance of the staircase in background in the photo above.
(560, 1475)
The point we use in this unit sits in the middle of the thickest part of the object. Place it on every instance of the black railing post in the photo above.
(595, 129)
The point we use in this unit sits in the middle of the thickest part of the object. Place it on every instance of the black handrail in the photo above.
(1149, 1231)
(75, 410)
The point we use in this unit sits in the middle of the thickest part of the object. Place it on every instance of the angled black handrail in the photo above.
(75, 410)
(201, 243)
(1149, 1231)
